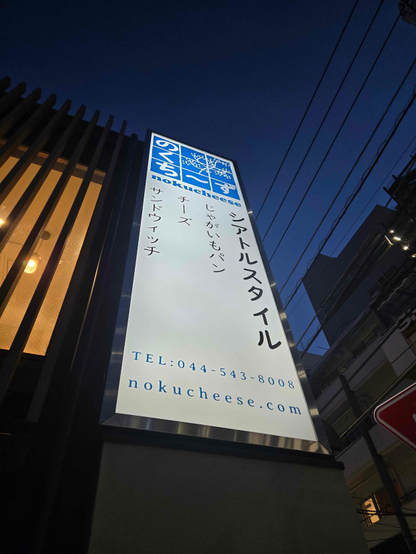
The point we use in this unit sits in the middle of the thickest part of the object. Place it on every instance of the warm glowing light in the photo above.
(32, 264)
(1, 222)
(397, 238)
(405, 248)
(370, 508)
(413, 255)
(391, 231)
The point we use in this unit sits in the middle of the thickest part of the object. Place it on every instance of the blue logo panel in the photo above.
(193, 167)
(227, 189)
(221, 170)
(197, 179)
(164, 168)
(193, 160)
(165, 144)
(167, 156)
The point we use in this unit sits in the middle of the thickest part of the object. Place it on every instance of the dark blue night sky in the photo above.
(233, 77)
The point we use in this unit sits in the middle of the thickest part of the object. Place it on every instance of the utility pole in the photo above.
(381, 467)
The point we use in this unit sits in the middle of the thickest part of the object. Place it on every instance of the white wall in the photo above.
(395, 346)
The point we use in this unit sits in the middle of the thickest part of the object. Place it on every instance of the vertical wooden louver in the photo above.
(51, 133)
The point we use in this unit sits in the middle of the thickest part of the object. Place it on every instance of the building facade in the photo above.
(364, 300)
(68, 191)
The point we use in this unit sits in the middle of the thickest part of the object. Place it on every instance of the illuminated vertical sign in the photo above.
(204, 342)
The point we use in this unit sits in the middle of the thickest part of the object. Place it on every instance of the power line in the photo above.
(403, 376)
(327, 318)
(327, 154)
(324, 119)
(307, 109)
(382, 539)
(357, 218)
(349, 174)
(366, 261)
(364, 177)
(341, 293)
(375, 193)
(376, 512)
(386, 525)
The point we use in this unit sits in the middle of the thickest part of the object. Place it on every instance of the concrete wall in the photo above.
(398, 352)
(154, 500)
(367, 371)
(357, 456)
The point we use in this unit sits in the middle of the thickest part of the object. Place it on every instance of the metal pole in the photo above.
(381, 468)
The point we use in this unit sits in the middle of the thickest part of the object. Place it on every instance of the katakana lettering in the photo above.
(232, 214)
(263, 314)
(152, 250)
(242, 243)
(154, 228)
(185, 220)
(157, 191)
(156, 199)
(183, 199)
(156, 207)
(156, 216)
(220, 255)
(252, 276)
(219, 270)
(152, 241)
(247, 258)
(258, 293)
(269, 342)
(241, 229)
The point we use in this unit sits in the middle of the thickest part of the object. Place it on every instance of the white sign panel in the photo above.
(204, 341)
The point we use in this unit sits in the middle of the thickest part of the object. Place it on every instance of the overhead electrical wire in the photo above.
(375, 251)
(357, 218)
(324, 118)
(327, 318)
(328, 152)
(357, 255)
(307, 109)
(337, 303)
(364, 177)
(399, 379)
(320, 327)
(372, 198)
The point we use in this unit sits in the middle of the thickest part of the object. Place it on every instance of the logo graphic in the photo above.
(193, 167)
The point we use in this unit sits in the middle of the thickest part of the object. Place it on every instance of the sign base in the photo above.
(155, 499)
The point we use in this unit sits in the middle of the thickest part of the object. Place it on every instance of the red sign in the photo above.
(398, 415)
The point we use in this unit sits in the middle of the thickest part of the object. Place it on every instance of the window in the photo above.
(378, 505)
(22, 294)
(370, 509)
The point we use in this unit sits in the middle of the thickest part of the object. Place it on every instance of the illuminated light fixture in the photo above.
(1, 222)
(32, 264)
(391, 231)
(388, 240)
(413, 255)
(405, 248)
(397, 238)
